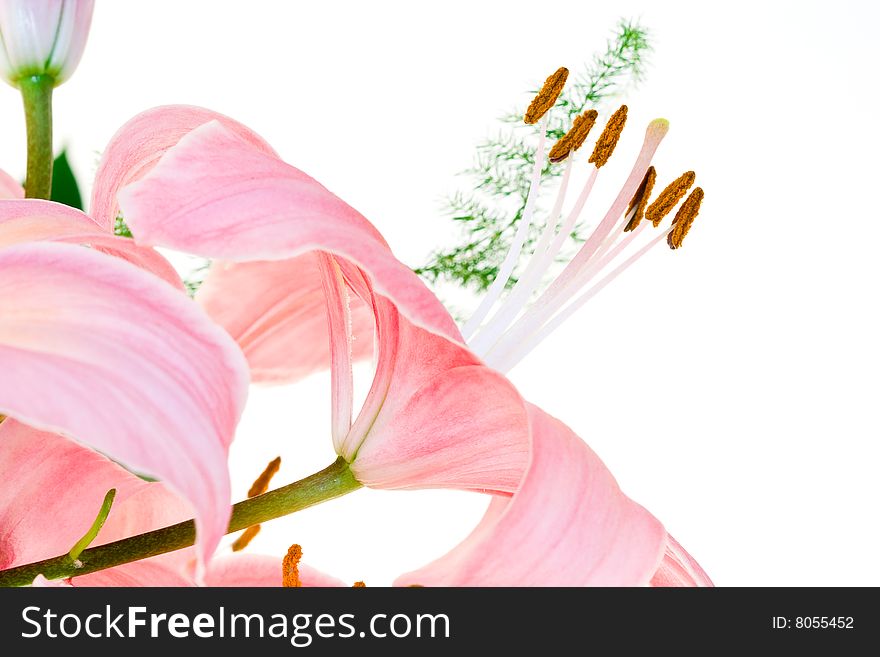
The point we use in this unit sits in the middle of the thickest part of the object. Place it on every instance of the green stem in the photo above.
(92, 534)
(36, 91)
(331, 482)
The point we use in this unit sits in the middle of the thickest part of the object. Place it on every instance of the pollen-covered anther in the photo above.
(260, 486)
(547, 96)
(640, 199)
(359, 585)
(290, 567)
(685, 216)
(609, 137)
(261, 483)
(669, 197)
(574, 138)
(246, 537)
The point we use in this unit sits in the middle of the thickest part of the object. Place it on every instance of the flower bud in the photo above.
(42, 37)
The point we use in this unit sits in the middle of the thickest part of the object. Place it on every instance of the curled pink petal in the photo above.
(138, 145)
(32, 220)
(100, 351)
(567, 525)
(449, 435)
(276, 311)
(238, 570)
(215, 194)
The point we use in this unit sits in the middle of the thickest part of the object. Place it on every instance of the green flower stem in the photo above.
(36, 91)
(331, 482)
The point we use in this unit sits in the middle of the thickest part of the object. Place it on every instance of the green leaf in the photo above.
(487, 213)
(64, 186)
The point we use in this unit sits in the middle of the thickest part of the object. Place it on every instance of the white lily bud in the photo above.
(42, 37)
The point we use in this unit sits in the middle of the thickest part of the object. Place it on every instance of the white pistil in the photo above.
(519, 239)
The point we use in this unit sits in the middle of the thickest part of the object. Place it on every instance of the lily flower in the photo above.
(436, 414)
(51, 490)
(43, 37)
(103, 352)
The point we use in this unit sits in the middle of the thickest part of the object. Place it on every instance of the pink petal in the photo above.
(445, 420)
(138, 145)
(679, 568)
(51, 491)
(140, 573)
(36, 220)
(50, 494)
(339, 328)
(98, 350)
(568, 525)
(10, 187)
(42, 582)
(260, 570)
(276, 311)
(216, 195)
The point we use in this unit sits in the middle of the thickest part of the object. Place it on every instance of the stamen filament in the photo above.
(562, 287)
(537, 337)
(519, 239)
(540, 262)
(513, 302)
(532, 321)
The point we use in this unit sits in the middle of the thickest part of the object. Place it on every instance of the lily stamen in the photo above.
(548, 95)
(245, 538)
(260, 486)
(640, 200)
(608, 139)
(520, 321)
(290, 567)
(685, 216)
(497, 288)
(669, 197)
(261, 483)
(574, 138)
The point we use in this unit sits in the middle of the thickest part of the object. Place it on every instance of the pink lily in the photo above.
(110, 355)
(436, 415)
(51, 491)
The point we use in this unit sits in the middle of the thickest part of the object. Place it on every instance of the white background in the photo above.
(730, 386)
